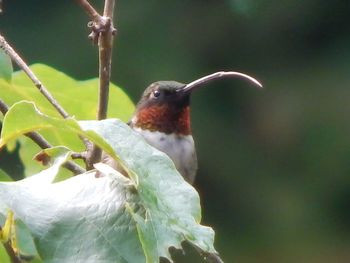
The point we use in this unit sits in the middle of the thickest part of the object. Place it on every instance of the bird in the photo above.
(162, 118)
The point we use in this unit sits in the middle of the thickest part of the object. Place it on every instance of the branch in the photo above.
(43, 143)
(19, 61)
(105, 62)
(103, 31)
(89, 9)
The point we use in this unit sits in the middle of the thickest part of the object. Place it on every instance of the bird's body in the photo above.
(180, 149)
(162, 117)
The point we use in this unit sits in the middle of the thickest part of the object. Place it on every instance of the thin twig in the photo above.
(98, 23)
(77, 155)
(44, 144)
(73, 167)
(90, 10)
(19, 61)
(103, 30)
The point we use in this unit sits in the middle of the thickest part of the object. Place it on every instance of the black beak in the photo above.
(218, 75)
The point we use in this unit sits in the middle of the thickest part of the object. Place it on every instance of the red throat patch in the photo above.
(164, 118)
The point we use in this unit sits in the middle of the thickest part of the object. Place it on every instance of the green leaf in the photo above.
(4, 177)
(79, 98)
(5, 66)
(24, 117)
(4, 258)
(111, 218)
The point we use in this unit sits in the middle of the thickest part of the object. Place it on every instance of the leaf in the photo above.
(25, 240)
(77, 97)
(24, 117)
(5, 66)
(4, 177)
(3, 255)
(81, 219)
(161, 189)
(110, 218)
(27, 118)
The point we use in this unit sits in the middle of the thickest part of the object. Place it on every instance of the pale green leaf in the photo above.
(110, 218)
(25, 240)
(172, 205)
(82, 219)
(9, 200)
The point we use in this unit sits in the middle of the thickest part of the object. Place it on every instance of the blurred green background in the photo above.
(273, 163)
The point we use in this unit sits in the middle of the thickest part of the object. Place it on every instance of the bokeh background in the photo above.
(274, 174)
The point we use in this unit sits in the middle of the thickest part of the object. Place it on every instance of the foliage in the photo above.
(90, 218)
(5, 67)
(78, 97)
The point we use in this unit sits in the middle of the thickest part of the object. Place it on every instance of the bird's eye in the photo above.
(156, 93)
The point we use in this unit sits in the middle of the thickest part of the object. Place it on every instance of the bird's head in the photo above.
(165, 105)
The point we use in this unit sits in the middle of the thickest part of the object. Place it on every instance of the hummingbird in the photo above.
(162, 117)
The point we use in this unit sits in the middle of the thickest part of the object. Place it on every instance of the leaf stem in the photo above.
(43, 143)
(20, 62)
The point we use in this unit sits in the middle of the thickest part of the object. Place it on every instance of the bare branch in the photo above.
(105, 61)
(89, 9)
(73, 167)
(98, 23)
(19, 61)
(103, 31)
(109, 9)
(43, 143)
(79, 155)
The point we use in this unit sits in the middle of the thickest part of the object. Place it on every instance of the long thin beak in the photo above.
(218, 75)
